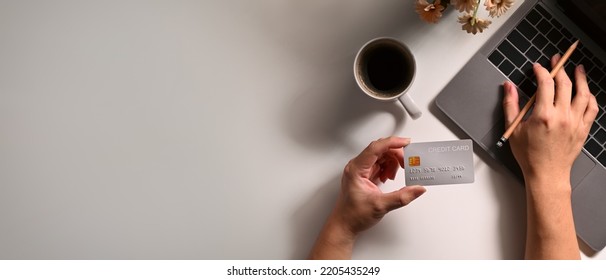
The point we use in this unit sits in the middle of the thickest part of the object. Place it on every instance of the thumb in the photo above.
(402, 197)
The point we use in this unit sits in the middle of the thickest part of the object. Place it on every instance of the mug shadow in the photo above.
(322, 117)
(510, 194)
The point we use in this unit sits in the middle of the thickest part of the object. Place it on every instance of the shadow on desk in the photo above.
(509, 193)
(326, 115)
(325, 36)
(309, 218)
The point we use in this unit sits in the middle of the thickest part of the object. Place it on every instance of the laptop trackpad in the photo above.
(581, 167)
(588, 207)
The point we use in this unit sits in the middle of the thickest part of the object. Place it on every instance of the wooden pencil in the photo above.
(528, 105)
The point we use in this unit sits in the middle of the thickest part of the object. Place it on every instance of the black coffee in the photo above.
(387, 69)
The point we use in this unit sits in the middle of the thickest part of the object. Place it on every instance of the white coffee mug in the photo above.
(384, 69)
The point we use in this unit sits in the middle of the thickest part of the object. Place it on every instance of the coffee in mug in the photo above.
(384, 69)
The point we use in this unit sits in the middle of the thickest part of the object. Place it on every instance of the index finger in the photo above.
(563, 85)
(545, 86)
(371, 154)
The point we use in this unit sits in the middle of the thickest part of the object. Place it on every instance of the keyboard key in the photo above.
(527, 69)
(589, 80)
(555, 36)
(496, 57)
(544, 26)
(594, 128)
(602, 83)
(563, 45)
(586, 52)
(596, 74)
(543, 12)
(602, 159)
(593, 147)
(593, 88)
(581, 48)
(600, 136)
(545, 62)
(602, 122)
(601, 98)
(528, 87)
(527, 29)
(550, 50)
(512, 53)
(533, 54)
(600, 113)
(587, 64)
(567, 34)
(556, 24)
(576, 57)
(569, 69)
(516, 77)
(540, 41)
(534, 17)
(506, 67)
(518, 40)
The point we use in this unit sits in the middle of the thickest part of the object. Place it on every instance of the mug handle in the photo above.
(411, 107)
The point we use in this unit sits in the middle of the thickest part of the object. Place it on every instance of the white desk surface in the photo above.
(219, 130)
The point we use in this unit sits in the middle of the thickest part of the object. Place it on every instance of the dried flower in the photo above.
(473, 24)
(429, 12)
(464, 5)
(497, 8)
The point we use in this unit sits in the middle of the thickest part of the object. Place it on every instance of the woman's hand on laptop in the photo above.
(361, 204)
(546, 146)
(548, 142)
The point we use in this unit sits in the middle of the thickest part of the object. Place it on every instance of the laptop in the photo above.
(536, 31)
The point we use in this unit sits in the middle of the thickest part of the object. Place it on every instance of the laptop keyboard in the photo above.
(536, 39)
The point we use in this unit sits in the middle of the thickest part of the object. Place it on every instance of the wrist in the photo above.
(340, 229)
(335, 240)
(551, 184)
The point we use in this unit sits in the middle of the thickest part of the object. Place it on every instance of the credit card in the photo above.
(439, 163)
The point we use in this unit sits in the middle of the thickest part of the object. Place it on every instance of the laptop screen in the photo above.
(590, 15)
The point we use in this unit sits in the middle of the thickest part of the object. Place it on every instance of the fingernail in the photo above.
(556, 56)
(582, 68)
